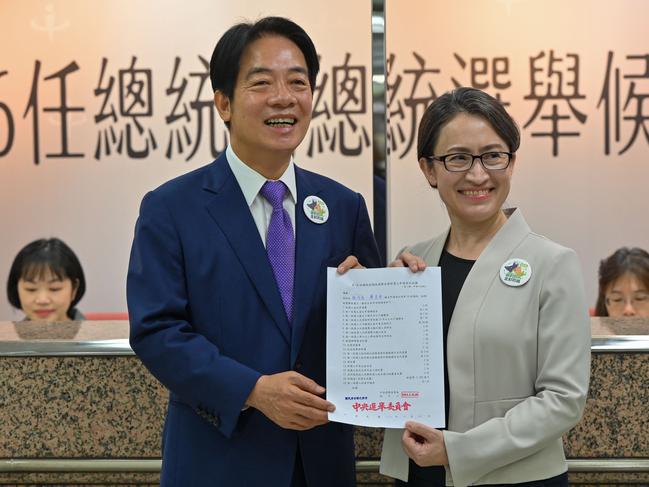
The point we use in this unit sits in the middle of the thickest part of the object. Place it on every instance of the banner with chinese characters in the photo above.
(574, 75)
(103, 101)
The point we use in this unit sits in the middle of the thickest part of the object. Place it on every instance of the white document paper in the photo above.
(385, 361)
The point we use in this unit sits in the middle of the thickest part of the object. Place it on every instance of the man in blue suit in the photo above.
(227, 282)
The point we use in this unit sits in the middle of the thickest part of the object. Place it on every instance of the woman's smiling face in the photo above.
(46, 296)
(476, 195)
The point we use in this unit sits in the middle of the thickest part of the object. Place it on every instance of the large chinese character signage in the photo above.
(102, 101)
(574, 75)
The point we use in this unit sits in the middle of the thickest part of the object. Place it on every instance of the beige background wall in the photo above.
(581, 197)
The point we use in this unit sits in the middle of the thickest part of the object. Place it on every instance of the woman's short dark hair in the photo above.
(465, 100)
(226, 57)
(624, 260)
(44, 255)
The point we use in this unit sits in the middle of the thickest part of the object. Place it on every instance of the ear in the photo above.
(512, 163)
(428, 168)
(223, 105)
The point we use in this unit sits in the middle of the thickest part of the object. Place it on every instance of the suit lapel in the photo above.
(310, 252)
(231, 213)
(460, 346)
(432, 254)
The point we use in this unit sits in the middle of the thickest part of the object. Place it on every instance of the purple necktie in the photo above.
(280, 243)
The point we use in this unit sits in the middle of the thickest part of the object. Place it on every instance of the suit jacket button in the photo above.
(298, 365)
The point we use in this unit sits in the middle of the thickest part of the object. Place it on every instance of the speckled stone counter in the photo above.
(91, 402)
(615, 424)
(74, 393)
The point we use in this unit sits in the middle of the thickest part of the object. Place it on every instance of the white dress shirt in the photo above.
(250, 182)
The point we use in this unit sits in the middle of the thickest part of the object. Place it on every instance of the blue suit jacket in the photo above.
(207, 320)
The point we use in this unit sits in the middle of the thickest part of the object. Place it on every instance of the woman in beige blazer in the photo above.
(517, 331)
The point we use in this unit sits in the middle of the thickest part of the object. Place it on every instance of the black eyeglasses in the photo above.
(463, 161)
(617, 302)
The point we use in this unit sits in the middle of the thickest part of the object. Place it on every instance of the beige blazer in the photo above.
(518, 363)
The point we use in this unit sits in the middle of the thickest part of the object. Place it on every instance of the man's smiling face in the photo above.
(270, 110)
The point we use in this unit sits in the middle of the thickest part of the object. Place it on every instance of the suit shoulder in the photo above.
(546, 247)
(547, 257)
(189, 181)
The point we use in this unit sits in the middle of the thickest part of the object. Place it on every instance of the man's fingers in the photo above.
(300, 417)
(294, 425)
(311, 415)
(304, 396)
(304, 418)
(315, 402)
(291, 400)
(414, 262)
(308, 392)
(406, 259)
(350, 262)
(306, 384)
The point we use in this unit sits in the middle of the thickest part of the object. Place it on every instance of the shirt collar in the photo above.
(250, 181)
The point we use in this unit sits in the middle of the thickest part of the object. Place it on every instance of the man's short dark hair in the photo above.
(41, 256)
(226, 58)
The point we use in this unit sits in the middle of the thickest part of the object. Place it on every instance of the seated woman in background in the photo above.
(46, 281)
(624, 284)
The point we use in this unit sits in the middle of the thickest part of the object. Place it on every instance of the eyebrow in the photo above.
(262, 70)
(51, 281)
(486, 148)
(637, 291)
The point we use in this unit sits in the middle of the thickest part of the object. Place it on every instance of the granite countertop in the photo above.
(632, 326)
(77, 335)
(14, 331)
(64, 338)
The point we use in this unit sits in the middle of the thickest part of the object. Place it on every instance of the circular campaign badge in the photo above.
(315, 209)
(515, 272)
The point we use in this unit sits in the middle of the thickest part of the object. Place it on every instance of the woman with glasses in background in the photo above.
(624, 284)
(516, 327)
